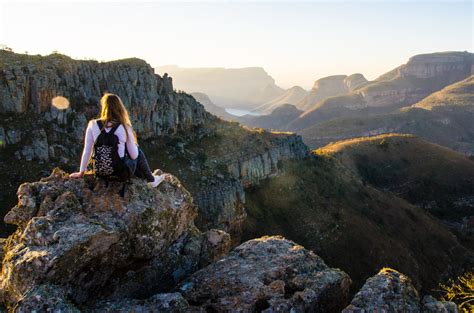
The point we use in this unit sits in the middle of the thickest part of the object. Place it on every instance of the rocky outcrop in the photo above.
(211, 107)
(159, 303)
(268, 274)
(405, 85)
(391, 291)
(355, 81)
(45, 104)
(83, 245)
(329, 87)
(222, 206)
(252, 169)
(422, 75)
(450, 64)
(88, 242)
(222, 201)
(32, 84)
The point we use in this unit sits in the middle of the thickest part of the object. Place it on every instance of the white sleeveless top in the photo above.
(93, 132)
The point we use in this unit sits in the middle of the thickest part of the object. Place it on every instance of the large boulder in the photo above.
(269, 274)
(93, 240)
(391, 291)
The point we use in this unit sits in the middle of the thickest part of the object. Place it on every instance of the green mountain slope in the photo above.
(425, 174)
(321, 204)
(445, 117)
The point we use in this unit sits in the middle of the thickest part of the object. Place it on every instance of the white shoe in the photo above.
(157, 181)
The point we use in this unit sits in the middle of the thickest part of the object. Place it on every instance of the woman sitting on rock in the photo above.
(114, 118)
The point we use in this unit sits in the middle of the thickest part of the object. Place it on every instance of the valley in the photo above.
(361, 204)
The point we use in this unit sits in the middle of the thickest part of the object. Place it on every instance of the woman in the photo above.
(113, 112)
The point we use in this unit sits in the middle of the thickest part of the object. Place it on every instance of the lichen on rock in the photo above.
(391, 291)
(85, 238)
(269, 274)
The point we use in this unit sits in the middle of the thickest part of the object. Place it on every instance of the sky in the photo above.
(295, 42)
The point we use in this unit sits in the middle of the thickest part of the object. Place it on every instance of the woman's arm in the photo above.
(86, 152)
(132, 146)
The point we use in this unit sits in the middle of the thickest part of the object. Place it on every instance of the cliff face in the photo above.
(444, 117)
(451, 64)
(420, 76)
(403, 86)
(329, 87)
(31, 85)
(46, 102)
(222, 202)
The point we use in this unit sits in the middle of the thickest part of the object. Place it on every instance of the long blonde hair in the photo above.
(113, 111)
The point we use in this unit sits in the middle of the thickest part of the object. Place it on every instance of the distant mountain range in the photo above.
(291, 96)
(331, 86)
(446, 117)
(361, 204)
(240, 88)
(408, 99)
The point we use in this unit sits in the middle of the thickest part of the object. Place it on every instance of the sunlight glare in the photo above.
(60, 103)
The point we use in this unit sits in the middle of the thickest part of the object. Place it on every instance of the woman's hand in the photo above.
(76, 175)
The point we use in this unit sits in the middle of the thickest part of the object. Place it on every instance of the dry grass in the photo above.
(460, 291)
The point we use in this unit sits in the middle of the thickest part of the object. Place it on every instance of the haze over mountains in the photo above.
(240, 88)
(361, 205)
(410, 98)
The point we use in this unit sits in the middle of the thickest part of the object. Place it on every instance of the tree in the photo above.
(5, 47)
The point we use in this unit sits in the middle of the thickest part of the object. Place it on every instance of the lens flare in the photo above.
(60, 103)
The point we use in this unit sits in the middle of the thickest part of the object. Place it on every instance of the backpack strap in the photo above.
(101, 125)
(115, 128)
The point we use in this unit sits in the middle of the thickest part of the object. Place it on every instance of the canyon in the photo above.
(223, 232)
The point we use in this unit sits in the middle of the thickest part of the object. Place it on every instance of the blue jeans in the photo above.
(139, 167)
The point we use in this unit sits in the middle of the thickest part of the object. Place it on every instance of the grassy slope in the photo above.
(390, 82)
(418, 171)
(323, 206)
(445, 117)
(458, 94)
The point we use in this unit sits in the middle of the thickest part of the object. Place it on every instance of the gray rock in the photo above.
(45, 298)
(27, 152)
(155, 109)
(13, 136)
(388, 291)
(159, 303)
(83, 237)
(268, 274)
(40, 147)
(431, 305)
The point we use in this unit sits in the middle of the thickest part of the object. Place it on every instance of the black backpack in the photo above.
(106, 160)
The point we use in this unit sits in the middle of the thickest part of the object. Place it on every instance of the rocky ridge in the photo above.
(81, 246)
(340, 96)
(81, 236)
(45, 103)
(269, 274)
(331, 86)
(444, 117)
